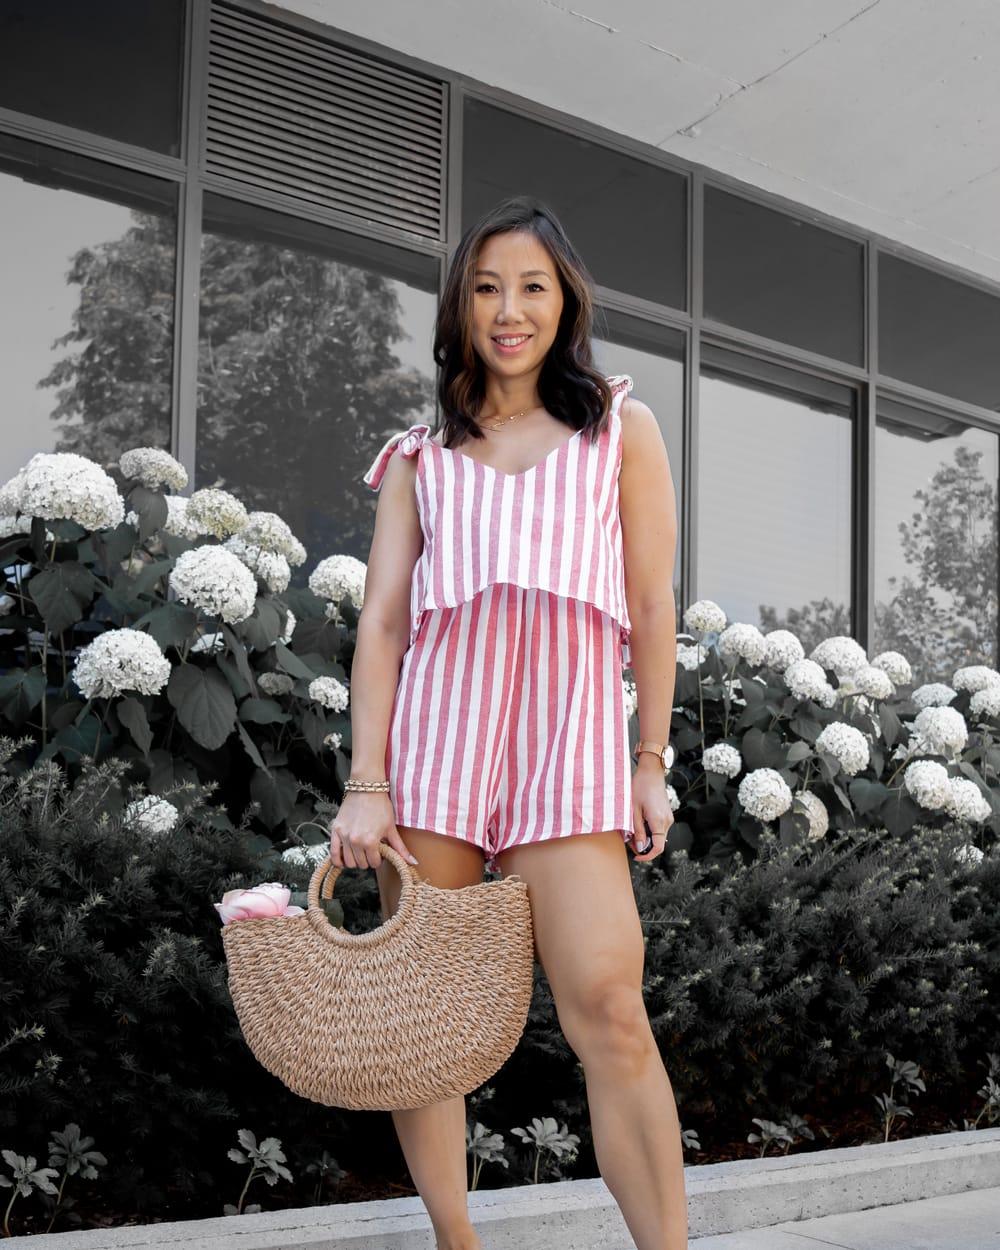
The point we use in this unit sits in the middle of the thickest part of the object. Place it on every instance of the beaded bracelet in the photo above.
(354, 783)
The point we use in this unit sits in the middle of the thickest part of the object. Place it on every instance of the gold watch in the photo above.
(657, 748)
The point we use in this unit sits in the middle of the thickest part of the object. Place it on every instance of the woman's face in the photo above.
(517, 297)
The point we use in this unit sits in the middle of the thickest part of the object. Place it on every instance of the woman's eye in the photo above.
(484, 286)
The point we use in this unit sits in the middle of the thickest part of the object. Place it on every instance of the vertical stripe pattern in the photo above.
(509, 722)
(556, 526)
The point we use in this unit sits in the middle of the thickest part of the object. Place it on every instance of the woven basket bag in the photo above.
(427, 1006)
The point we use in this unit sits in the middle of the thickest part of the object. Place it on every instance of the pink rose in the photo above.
(261, 903)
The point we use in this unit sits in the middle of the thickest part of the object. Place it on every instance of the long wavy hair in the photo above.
(569, 385)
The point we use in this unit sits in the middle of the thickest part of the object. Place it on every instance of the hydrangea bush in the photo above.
(146, 625)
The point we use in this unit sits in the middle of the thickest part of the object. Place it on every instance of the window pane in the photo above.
(315, 347)
(783, 278)
(654, 358)
(938, 333)
(626, 218)
(87, 262)
(109, 66)
(774, 497)
(935, 540)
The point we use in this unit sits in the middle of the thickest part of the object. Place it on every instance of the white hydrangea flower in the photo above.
(764, 793)
(933, 694)
(177, 519)
(61, 485)
(151, 815)
(847, 745)
(120, 660)
(271, 567)
(7, 604)
(896, 665)
(841, 653)
(815, 810)
(290, 624)
(926, 782)
(806, 680)
(215, 581)
(690, 657)
(722, 758)
(975, 677)
(941, 730)
(969, 854)
(985, 702)
(847, 687)
(672, 798)
(337, 576)
(966, 801)
(873, 682)
(209, 643)
(10, 525)
(268, 531)
(153, 467)
(330, 693)
(10, 495)
(333, 741)
(705, 617)
(743, 641)
(631, 692)
(783, 648)
(306, 856)
(216, 512)
(276, 683)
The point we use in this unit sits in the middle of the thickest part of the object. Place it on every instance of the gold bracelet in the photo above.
(355, 783)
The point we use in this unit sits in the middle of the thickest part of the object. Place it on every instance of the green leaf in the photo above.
(867, 796)
(20, 692)
(262, 627)
(899, 813)
(150, 507)
(276, 793)
(762, 749)
(798, 751)
(132, 715)
(892, 727)
(61, 592)
(250, 747)
(204, 704)
(290, 663)
(263, 712)
(171, 624)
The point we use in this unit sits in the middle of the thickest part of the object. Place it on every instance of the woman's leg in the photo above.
(589, 941)
(433, 1137)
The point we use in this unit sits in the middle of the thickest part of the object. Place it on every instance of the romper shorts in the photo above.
(509, 722)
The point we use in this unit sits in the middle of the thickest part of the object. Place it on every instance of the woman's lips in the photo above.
(505, 350)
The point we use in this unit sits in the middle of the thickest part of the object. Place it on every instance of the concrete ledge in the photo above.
(582, 1215)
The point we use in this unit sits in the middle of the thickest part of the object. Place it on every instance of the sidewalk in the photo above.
(964, 1221)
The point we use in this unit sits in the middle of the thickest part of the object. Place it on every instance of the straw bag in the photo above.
(427, 1006)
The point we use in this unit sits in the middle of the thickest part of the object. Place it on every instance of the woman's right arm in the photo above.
(366, 818)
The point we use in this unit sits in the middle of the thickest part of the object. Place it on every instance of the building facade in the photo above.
(226, 227)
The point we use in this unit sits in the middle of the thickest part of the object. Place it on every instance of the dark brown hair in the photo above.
(569, 385)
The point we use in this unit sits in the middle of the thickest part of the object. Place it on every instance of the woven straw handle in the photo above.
(327, 872)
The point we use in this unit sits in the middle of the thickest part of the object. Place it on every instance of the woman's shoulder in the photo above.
(407, 442)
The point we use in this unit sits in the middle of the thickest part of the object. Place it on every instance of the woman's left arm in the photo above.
(648, 509)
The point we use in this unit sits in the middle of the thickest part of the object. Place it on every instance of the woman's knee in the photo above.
(609, 1021)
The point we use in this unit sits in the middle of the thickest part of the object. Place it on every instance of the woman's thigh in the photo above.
(445, 861)
(588, 935)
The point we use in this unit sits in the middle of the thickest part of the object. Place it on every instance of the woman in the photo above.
(520, 557)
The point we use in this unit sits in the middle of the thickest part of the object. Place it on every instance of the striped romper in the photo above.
(509, 722)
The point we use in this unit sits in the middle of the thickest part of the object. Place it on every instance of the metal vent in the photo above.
(307, 119)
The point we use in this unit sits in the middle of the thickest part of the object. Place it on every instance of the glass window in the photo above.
(653, 356)
(938, 333)
(627, 218)
(315, 347)
(935, 539)
(112, 67)
(87, 258)
(774, 496)
(780, 277)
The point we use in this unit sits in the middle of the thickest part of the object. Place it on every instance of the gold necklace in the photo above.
(507, 420)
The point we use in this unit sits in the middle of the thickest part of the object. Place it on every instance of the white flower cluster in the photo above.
(61, 485)
(153, 467)
(806, 680)
(337, 576)
(690, 657)
(966, 801)
(208, 643)
(742, 641)
(764, 793)
(815, 810)
(783, 648)
(985, 702)
(269, 532)
(276, 683)
(672, 798)
(933, 694)
(272, 568)
(215, 581)
(939, 731)
(330, 693)
(290, 624)
(306, 856)
(333, 741)
(151, 815)
(705, 617)
(722, 758)
(847, 745)
(896, 665)
(975, 677)
(872, 681)
(631, 693)
(969, 854)
(120, 660)
(216, 512)
(926, 782)
(839, 652)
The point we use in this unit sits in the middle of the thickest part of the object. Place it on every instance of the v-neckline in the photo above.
(500, 472)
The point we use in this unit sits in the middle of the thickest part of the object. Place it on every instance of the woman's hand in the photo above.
(651, 807)
(364, 821)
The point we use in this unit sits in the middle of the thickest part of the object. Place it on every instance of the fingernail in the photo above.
(414, 861)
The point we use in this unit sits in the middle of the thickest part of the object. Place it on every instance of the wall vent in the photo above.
(308, 119)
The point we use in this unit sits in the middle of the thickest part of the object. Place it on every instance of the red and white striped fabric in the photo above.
(555, 526)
